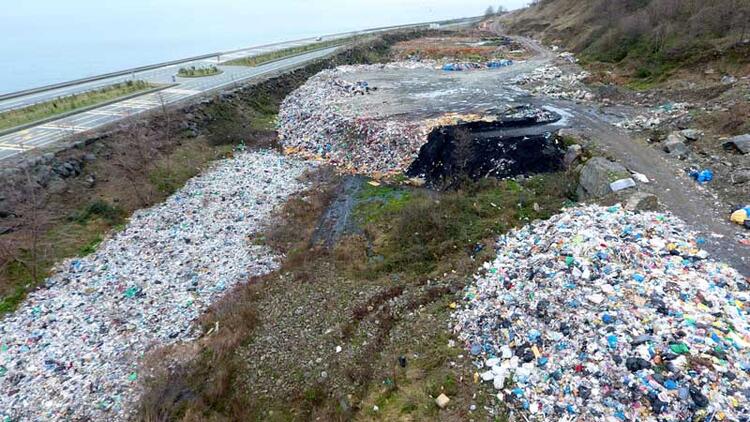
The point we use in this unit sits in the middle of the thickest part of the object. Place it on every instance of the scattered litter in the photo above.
(442, 401)
(741, 216)
(460, 67)
(640, 177)
(551, 81)
(499, 63)
(71, 350)
(656, 116)
(622, 184)
(604, 314)
(702, 176)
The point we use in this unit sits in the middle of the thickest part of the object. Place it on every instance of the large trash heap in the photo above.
(71, 352)
(314, 123)
(603, 314)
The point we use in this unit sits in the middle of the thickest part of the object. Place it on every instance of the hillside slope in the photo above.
(648, 40)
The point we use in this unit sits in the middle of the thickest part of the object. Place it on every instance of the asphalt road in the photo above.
(46, 134)
(160, 75)
(43, 135)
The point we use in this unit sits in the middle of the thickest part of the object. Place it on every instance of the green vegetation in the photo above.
(644, 41)
(58, 106)
(287, 52)
(198, 72)
(420, 230)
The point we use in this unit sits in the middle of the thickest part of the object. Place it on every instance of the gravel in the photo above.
(72, 350)
(604, 314)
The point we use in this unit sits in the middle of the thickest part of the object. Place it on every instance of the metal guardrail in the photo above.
(207, 56)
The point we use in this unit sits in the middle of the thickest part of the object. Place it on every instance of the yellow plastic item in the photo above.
(739, 216)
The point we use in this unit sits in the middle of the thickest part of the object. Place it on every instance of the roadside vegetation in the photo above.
(288, 52)
(198, 72)
(62, 105)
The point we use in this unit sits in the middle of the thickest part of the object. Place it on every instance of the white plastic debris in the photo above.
(655, 331)
(72, 350)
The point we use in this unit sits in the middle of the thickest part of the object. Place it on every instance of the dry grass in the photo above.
(460, 48)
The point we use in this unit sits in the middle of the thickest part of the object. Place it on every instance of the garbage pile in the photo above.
(72, 350)
(400, 65)
(656, 116)
(603, 314)
(312, 123)
(551, 81)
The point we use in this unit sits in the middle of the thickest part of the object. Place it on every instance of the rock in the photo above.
(674, 146)
(91, 181)
(728, 79)
(691, 134)
(89, 157)
(442, 401)
(596, 176)
(642, 201)
(740, 177)
(676, 136)
(740, 143)
(572, 155)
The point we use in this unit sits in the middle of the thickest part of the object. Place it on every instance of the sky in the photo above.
(48, 41)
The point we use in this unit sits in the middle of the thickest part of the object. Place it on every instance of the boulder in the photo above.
(691, 135)
(740, 177)
(740, 143)
(572, 155)
(675, 146)
(596, 176)
(642, 201)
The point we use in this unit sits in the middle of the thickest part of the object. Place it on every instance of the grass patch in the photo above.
(57, 106)
(198, 71)
(100, 208)
(419, 229)
(260, 59)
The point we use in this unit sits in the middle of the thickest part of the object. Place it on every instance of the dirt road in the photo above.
(697, 206)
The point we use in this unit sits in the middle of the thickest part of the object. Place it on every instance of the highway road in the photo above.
(160, 75)
(46, 134)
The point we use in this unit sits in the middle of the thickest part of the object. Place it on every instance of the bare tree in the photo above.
(135, 156)
(489, 12)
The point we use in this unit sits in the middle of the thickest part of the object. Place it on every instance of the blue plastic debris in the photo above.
(703, 176)
(499, 63)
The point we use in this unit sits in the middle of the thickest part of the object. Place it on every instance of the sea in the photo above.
(44, 42)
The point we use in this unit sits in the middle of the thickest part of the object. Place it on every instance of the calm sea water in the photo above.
(49, 41)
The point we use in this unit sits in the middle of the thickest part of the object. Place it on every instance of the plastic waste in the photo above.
(622, 184)
(617, 308)
(702, 176)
